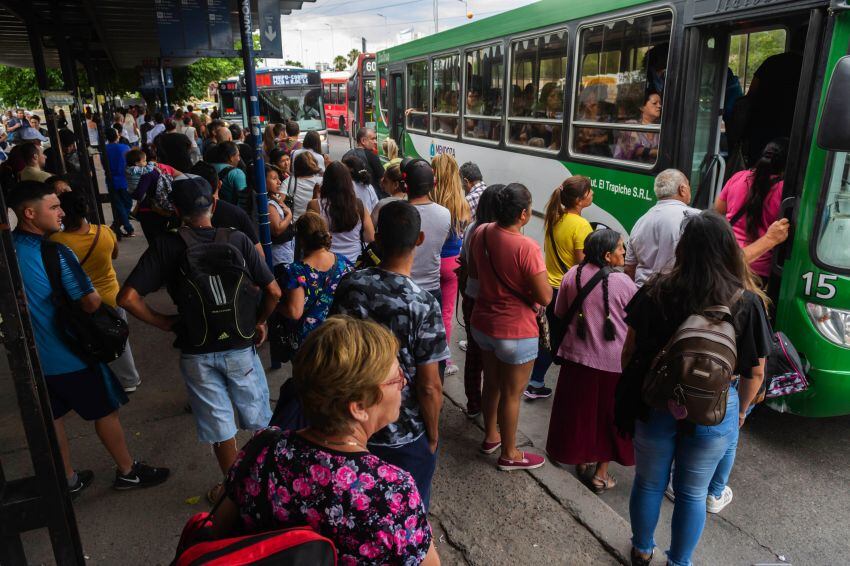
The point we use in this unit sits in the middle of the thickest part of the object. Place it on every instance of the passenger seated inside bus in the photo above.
(551, 104)
(638, 145)
(594, 108)
(655, 64)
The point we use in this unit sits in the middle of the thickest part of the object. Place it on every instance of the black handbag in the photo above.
(99, 336)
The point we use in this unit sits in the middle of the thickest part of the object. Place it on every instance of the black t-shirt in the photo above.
(227, 215)
(375, 168)
(173, 149)
(158, 265)
(653, 328)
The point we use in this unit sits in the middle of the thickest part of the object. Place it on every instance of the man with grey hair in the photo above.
(652, 245)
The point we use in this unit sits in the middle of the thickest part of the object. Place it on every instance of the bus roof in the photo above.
(533, 16)
(336, 75)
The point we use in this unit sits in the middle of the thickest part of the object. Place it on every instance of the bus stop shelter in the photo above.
(101, 37)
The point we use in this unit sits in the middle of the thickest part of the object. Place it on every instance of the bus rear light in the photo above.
(832, 323)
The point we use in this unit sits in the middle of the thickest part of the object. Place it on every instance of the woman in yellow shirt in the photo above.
(96, 246)
(563, 246)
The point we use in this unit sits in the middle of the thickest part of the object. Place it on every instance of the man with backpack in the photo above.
(367, 146)
(224, 293)
(74, 382)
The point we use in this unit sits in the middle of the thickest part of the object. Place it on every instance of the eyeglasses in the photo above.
(400, 380)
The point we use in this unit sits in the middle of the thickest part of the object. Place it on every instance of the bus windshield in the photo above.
(304, 105)
(227, 104)
(832, 248)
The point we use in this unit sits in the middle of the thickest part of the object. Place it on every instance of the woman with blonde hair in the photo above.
(390, 148)
(348, 380)
(448, 192)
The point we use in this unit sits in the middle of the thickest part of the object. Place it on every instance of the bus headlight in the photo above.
(833, 324)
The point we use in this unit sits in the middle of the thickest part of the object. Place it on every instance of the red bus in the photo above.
(362, 89)
(334, 94)
(229, 102)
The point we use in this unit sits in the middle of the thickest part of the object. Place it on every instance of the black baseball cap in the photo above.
(190, 194)
(417, 173)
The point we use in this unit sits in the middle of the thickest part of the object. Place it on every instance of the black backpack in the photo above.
(214, 292)
(99, 336)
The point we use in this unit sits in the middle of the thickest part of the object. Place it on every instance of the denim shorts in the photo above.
(217, 383)
(514, 351)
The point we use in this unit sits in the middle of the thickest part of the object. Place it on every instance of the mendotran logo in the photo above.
(439, 149)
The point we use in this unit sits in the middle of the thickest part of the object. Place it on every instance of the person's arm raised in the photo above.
(775, 235)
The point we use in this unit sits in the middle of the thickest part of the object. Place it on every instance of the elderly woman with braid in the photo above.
(581, 428)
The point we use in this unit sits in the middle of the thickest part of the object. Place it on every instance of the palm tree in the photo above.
(352, 56)
(340, 63)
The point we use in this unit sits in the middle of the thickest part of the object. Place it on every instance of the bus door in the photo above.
(396, 110)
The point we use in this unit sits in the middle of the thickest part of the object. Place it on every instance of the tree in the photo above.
(192, 81)
(340, 63)
(352, 57)
(18, 87)
(291, 63)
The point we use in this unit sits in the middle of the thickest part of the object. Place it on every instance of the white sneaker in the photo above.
(717, 504)
(452, 369)
(462, 345)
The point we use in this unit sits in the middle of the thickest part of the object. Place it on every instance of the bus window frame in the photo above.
(659, 129)
(818, 224)
(383, 72)
(506, 133)
(440, 55)
(407, 63)
(500, 118)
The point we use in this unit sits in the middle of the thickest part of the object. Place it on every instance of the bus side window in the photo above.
(444, 107)
(484, 93)
(622, 74)
(417, 96)
(537, 83)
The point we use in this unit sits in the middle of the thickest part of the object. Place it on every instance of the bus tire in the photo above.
(342, 131)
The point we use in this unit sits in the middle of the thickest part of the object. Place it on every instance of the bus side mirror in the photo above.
(834, 132)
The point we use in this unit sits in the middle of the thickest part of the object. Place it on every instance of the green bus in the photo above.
(556, 88)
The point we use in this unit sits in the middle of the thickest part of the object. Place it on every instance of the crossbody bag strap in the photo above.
(585, 291)
(555, 253)
(504, 284)
(738, 215)
(93, 244)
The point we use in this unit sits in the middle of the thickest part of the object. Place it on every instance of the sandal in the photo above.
(215, 493)
(638, 560)
(598, 485)
(582, 470)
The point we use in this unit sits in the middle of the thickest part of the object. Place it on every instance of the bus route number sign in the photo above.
(369, 66)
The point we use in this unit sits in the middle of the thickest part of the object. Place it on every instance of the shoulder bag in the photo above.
(544, 341)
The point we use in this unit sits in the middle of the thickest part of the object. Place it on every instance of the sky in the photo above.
(353, 19)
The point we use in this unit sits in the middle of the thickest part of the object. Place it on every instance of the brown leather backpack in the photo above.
(692, 373)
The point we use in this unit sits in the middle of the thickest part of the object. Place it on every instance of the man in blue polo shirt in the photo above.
(91, 390)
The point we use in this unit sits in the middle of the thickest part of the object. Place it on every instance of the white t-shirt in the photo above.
(436, 223)
(320, 160)
(302, 191)
(367, 195)
(349, 243)
(129, 128)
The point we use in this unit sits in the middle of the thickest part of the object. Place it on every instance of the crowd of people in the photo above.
(368, 260)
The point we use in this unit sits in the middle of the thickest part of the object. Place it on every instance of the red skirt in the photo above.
(581, 427)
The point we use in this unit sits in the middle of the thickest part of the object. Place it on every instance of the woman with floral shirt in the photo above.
(349, 382)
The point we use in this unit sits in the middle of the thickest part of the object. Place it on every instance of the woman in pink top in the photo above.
(512, 282)
(581, 428)
(751, 198)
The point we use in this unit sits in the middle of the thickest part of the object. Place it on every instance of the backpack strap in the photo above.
(188, 236)
(585, 291)
(551, 235)
(738, 215)
(222, 235)
(53, 268)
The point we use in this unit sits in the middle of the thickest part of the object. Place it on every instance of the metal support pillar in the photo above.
(164, 90)
(44, 84)
(253, 108)
(69, 76)
(42, 500)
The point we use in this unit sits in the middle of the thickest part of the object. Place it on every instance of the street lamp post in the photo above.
(386, 32)
(333, 49)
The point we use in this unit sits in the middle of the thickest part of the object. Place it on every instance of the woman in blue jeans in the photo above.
(709, 270)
